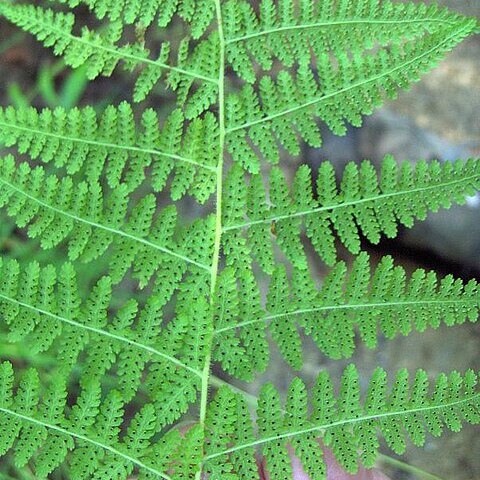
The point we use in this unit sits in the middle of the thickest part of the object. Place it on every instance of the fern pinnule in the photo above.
(111, 144)
(44, 430)
(102, 52)
(286, 110)
(363, 203)
(357, 300)
(287, 31)
(346, 425)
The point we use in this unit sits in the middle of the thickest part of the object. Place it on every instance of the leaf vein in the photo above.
(105, 227)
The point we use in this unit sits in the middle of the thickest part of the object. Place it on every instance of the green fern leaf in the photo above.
(286, 31)
(91, 224)
(364, 301)
(287, 108)
(79, 430)
(362, 204)
(113, 145)
(121, 372)
(344, 423)
(100, 53)
(54, 318)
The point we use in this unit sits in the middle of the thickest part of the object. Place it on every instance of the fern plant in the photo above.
(250, 82)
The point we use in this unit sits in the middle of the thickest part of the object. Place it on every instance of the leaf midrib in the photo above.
(344, 422)
(305, 26)
(103, 144)
(350, 307)
(105, 227)
(352, 202)
(100, 331)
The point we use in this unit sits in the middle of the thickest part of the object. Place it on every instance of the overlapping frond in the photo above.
(41, 308)
(288, 30)
(363, 204)
(347, 88)
(42, 430)
(198, 14)
(346, 424)
(102, 52)
(57, 210)
(360, 300)
(113, 144)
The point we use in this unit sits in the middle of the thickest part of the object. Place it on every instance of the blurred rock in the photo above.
(447, 100)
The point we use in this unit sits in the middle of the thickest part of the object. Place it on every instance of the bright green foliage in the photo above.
(287, 30)
(112, 144)
(286, 109)
(39, 428)
(197, 13)
(101, 52)
(228, 420)
(363, 203)
(383, 301)
(228, 347)
(56, 210)
(346, 424)
(42, 309)
(199, 244)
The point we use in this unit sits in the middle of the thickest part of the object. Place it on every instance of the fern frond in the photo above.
(346, 425)
(349, 87)
(100, 53)
(197, 13)
(287, 30)
(363, 203)
(80, 141)
(42, 309)
(371, 302)
(120, 372)
(53, 213)
(38, 303)
(39, 428)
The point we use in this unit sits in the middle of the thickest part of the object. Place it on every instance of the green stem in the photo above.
(318, 25)
(418, 472)
(218, 212)
(320, 429)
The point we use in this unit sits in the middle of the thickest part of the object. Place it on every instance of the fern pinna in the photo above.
(249, 82)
